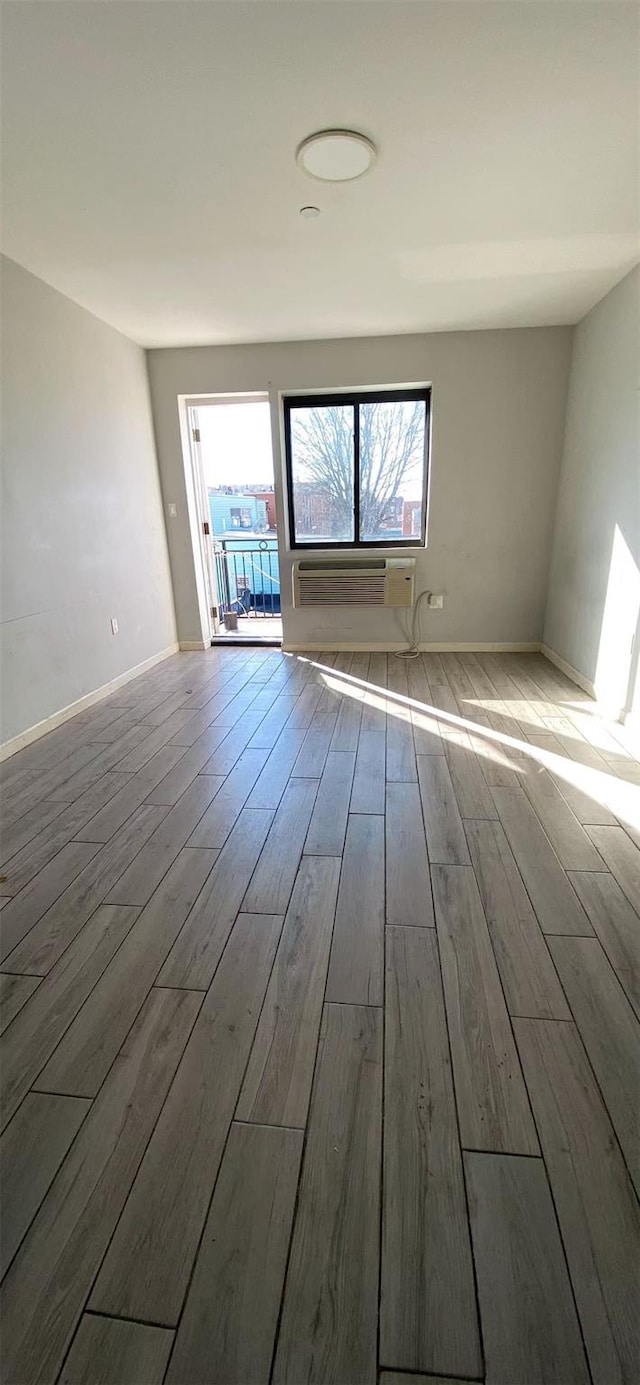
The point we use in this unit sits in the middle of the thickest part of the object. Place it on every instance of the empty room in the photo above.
(320, 693)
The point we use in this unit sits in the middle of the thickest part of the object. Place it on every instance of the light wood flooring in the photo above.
(321, 1056)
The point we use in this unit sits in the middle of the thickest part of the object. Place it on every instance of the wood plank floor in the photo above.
(320, 1039)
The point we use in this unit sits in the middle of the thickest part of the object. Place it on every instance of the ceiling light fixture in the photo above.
(309, 212)
(336, 156)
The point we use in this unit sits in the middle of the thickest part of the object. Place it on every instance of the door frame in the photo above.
(198, 509)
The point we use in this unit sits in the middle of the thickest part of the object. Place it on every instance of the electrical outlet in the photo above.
(435, 602)
(114, 626)
(172, 510)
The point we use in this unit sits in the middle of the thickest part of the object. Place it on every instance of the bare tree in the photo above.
(391, 451)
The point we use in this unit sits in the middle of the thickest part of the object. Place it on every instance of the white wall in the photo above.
(498, 418)
(594, 586)
(82, 523)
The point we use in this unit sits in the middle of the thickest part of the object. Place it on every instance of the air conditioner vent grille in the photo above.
(381, 582)
(341, 588)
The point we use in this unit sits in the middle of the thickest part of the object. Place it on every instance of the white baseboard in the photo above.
(391, 648)
(568, 670)
(187, 646)
(33, 733)
(615, 711)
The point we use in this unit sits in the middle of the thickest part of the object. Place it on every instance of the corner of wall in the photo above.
(592, 609)
(558, 489)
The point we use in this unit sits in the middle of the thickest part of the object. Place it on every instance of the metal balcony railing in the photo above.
(247, 577)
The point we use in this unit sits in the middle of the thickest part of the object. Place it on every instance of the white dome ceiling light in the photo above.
(336, 156)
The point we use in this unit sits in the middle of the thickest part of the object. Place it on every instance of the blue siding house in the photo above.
(233, 513)
(246, 563)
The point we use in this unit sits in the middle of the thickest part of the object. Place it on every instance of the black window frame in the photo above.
(356, 398)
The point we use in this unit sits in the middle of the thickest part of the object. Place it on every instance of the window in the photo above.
(240, 517)
(357, 467)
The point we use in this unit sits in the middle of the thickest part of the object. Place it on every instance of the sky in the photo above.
(235, 442)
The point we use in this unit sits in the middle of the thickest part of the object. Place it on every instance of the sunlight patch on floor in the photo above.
(604, 787)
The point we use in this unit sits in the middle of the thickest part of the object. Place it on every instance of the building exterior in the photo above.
(232, 511)
(270, 501)
(411, 519)
(314, 511)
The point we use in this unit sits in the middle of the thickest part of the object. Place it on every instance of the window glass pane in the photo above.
(322, 473)
(392, 461)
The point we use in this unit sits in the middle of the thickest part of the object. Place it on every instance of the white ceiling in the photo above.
(149, 165)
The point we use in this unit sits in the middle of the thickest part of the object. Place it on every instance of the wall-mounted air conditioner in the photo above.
(354, 582)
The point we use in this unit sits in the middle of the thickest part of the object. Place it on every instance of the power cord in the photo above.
(412, 651)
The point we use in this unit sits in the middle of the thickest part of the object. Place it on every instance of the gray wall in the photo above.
(498, 419)
(83, 529)
(594, 587)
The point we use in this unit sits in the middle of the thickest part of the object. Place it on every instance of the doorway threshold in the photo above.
(267, 631)
(257, 641)
(259, 630)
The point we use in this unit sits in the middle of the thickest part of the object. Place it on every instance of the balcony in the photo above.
(248, 584)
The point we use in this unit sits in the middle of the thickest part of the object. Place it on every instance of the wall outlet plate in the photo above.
(435, 602)
(172, 510)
